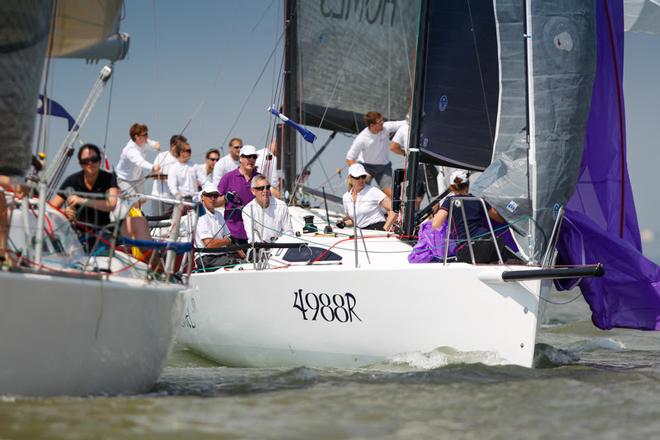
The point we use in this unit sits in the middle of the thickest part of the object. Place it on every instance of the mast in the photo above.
(531, 130)
(290, 102)
(416, 114)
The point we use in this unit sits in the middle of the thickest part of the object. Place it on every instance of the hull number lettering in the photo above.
(319, 306)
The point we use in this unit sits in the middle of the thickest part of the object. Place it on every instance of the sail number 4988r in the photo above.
(339, 308)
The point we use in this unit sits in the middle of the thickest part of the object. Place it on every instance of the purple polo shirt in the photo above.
(234, 181)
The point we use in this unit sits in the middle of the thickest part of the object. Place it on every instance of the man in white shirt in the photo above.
(212, 233)
(265, 218)
(205, 170)
(229, 162)
(132, 162)
(370, 148)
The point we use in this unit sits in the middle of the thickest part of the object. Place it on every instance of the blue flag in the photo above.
(55, 109)
(306, 134)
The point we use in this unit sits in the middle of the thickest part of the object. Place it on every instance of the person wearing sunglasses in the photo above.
(96, 197)
(182, 176)
(205, 170)
(132, 162)
(212, 233)
(229, 162)
(371, 148)
(235, 191)
(265, 218)
(365, 205)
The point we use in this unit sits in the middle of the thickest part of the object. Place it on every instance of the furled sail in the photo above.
(531, 181)
(89, 29)
(461, 85)
(355, 56)
(24, 26)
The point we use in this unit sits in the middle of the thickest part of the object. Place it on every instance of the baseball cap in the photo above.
(248, 150)
(461, 175)
(209, 188)
(357, 170)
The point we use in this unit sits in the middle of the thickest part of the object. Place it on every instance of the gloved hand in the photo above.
(340, 224)
(232, 197)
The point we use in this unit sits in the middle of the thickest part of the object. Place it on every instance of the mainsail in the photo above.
(354, 56)
(24, 26)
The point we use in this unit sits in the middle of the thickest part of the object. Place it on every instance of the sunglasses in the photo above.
(236, 146)
(360, 177)
(213, 159)
(187, 151)
(261, 188)
(89, 160)
(251, 156)
(212, 195)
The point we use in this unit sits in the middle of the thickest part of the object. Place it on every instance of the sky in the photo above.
(202, 58)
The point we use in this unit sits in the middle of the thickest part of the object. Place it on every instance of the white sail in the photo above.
(642, 16)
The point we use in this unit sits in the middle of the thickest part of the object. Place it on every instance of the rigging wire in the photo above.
(156, 77)
(107, 117)
(263, 15)
(41, 141)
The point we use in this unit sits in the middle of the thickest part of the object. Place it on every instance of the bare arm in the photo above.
(493, 214)
(439, 218)
(216, 242)
(107, 204)
(396, 149)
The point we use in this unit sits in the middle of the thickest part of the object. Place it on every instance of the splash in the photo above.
(441, 357)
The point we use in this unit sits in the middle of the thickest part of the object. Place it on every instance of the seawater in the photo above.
(587, 384)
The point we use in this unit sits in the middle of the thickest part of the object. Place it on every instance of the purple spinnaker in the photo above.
(601, 223)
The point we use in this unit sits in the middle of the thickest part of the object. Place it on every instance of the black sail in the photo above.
(461, 83)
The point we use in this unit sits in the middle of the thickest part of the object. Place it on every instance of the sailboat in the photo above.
(510, 88)
(71, 324)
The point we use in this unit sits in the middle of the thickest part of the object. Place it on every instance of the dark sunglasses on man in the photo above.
(89, 160)
(261, 188)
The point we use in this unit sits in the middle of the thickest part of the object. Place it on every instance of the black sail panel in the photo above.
(461, 85)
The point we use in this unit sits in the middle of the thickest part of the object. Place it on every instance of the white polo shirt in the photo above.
(182, 179)
(210, 225)
(202, 175)
(223, 166)
(165, 160)
(367, 206)
(270, 223)
(373, 148)
(401, 136)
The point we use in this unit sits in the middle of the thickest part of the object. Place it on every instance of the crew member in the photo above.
(269, 215)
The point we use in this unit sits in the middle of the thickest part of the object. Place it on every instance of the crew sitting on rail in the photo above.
(482, 240)
(212, 233)
(91, 213)
(364, 204)
(269, 215)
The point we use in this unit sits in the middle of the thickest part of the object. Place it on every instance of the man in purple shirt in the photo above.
(235, 192)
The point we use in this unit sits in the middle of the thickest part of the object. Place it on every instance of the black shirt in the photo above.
(476, 218)
(104, 181)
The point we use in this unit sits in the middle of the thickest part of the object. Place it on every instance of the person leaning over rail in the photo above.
(482, 243)
(212, 233)
(132, 161)
(370, 148)
(91, 213)
(269, 215)
(364, 204)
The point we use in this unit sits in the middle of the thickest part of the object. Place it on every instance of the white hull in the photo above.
(74, 336)
(248, 318)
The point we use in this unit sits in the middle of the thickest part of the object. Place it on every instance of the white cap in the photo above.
(248, 150)
(357, 170)
(209, 188)
(461, 175)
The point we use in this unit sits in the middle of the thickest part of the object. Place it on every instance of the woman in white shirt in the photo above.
(182, 177)
(365, 205)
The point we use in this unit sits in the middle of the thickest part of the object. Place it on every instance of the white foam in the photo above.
(443, 356)
(599, 344)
